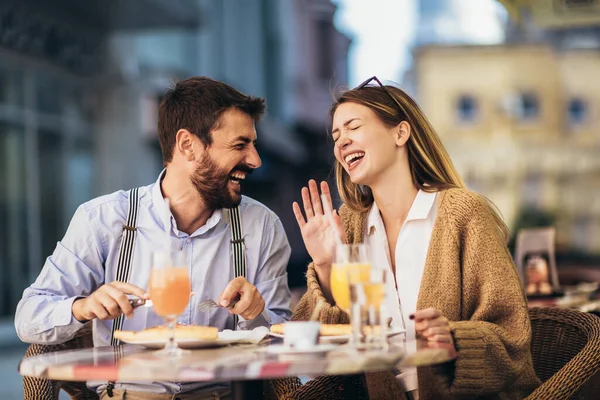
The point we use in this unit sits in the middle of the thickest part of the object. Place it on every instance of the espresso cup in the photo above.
(301, 335)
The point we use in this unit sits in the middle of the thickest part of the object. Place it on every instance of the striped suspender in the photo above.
(238, 248)
(126, 254)
(238, 251)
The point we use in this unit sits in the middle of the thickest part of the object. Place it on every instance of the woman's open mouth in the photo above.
(353, 159)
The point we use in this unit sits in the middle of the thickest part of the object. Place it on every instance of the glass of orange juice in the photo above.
(350, 266)
(169, 290)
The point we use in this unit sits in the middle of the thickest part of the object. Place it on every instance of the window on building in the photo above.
(11, 87)
(43, 180)
(528, 106)
(577, 110)
(79, 175)
(467, 108)
(48, 94)
(14, 235)
(581, 233)
(531, 190)
(51, 190)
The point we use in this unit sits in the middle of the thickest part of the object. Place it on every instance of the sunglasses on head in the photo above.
(374, 78)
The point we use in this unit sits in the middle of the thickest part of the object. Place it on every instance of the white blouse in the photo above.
(410, 254)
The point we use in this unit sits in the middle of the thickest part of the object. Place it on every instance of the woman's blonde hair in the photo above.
(430, 165)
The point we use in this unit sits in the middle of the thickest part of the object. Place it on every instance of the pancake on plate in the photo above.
(326, 329)
(162, 333)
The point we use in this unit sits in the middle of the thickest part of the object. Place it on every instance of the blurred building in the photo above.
(452, 23)
(79, 91)
(459, 22)
(54, 67)
(554, 15)
(521, 122)
(290, 52)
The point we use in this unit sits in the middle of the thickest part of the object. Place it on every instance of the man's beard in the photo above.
(212, 184)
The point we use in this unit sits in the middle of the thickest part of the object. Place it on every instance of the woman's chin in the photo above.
(358, 179)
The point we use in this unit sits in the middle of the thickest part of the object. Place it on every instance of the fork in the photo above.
(206, 305)
(135, 303)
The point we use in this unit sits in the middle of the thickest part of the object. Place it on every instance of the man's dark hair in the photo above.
(196, 104)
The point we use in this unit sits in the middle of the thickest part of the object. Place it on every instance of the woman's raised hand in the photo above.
(317, 232)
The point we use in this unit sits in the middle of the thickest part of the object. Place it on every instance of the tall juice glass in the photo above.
(169, 290)
(350, 266)
(374, 293)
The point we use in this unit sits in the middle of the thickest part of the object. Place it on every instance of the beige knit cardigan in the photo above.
(470, 277)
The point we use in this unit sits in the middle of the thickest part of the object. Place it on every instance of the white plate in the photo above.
(225, 338)
(342, 338)
(287, 351)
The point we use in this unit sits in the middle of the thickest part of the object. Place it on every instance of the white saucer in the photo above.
(343, 338)
(319, 350)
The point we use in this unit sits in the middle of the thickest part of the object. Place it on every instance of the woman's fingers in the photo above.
(427, 313)
(308, 209)
(298, 214)
(325, 189)
(311, 201)
(440, 338)
(432, 325)
(423, 324)
(327, 204)
(315, 197)
(436, 330)
(338, 226)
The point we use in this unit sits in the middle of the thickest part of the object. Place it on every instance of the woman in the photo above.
(444, 246)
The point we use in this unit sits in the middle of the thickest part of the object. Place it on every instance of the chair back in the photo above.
(44, 389)
(540, 242)
(565, 348)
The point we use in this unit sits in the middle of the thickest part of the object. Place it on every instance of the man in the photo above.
(207, 137)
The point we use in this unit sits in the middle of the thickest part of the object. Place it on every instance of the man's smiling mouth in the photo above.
(237, 177)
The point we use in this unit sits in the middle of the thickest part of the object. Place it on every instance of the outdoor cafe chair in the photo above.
(565, 346)
(44, 389)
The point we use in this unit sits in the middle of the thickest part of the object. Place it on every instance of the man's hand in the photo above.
(108, 302)
(251, 303)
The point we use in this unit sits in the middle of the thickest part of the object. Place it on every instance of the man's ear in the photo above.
(403, 132)
(187, 144)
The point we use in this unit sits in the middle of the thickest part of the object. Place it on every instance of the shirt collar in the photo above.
(166, 217)
(373, 219)
(421, 206)
(420, 209)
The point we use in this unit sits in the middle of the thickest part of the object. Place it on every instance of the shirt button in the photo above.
(189, 241)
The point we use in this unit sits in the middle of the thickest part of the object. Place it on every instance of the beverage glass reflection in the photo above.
(169, 290)
(374, 292)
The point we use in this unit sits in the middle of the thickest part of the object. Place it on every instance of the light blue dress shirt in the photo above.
(87, 257)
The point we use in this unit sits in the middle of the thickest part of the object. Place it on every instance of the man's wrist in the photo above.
(76, 310)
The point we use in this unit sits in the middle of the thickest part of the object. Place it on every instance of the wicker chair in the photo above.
(44, 389)
(566, 353)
